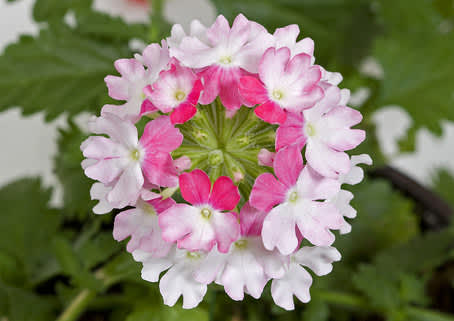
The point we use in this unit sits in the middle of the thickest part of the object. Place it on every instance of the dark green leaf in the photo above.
(45, 10)
(443, 183)
(59, 71)
(146, 312)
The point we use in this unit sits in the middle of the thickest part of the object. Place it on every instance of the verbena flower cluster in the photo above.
(240, 160)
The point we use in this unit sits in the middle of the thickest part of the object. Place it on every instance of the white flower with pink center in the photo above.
(325, 132)
(297, 194)
(205, 223)
(204, 154)
(222, 55)
(284, 84)
(177, 91)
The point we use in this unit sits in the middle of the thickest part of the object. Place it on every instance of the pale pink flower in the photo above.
(222, 54)
(203, 225)
(297, 281)
(122, 160)
(176, 91)
(133, 79)
(326, 133)
(178, 280)
(141, 224)
(286, 37)
(247, 267)
(342, 199)
(297, 194)
(284, 84)
(265, 157)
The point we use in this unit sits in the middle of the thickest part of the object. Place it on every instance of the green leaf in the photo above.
(28, 225)
(147, 312)
(443, 183)
(67, 167)
(21, 305)
(45, 10)
(343, 30)
(59, 71)
(415, 55)
(316, 310)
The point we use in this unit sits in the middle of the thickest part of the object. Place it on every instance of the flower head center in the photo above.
(148, 209)
(180, 95)
(135, 155)
(278, 94)
(192, 255)
(241, 244)
(206, 213)
(310, 129)
(293, 197)
(226, 60)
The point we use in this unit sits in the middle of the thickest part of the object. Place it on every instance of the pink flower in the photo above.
(177, 91)
(133, 78)
(326, 133)
(247, 266)
(141, 223)
(298, 192)
(223, 55)
(122, 160)
(286, 37)
(201, 226)
(178, 280)
(265, 157)
(297, 281)
(285, 85)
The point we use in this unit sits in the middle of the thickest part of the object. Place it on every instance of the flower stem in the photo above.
(77, 306)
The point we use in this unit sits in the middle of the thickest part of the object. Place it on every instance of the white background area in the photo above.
(28, 145)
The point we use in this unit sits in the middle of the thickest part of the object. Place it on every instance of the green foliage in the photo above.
(443, 183)
(76, 186)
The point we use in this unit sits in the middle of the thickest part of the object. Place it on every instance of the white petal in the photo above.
(318, 258)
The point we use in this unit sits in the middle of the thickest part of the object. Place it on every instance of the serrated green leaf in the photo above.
(343, 30)
(28, 225)
(67, 167)
(59, 71)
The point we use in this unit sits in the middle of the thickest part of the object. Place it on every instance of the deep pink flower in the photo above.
(177, 90)
(284, 84)
(326, 133)
(203, 225)
(222, 54)
(297, 194)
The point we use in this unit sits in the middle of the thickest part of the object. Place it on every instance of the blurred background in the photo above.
(396, 57)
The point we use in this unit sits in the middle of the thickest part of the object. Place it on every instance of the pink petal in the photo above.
(106, 170)
(147, 108)
(288, 164)
(253, 90)
(229, 92)
(161, 205)
(225, 195)
(182, 163)
(176, 223)
(194, 95)
(159, 169)
(182, 113)
(313, 186)
(305, 45)
(101, 147)
(251, 220)
(130, 69)
(267, 192)
(212, 84)
(227, 229)
(286, 36)
(287, 136)
(272, 65)
(346, 139)
(271, 113)
(161, 136)
(127, 188)
(119, 130)
(195, 187)
(118, 87)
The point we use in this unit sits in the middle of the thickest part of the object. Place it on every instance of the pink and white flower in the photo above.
(133, 79)
(178, 280)
(297, 281)
(284, 84)
(223, 55)
(141, 224)
(123, 160)
(177, 91)
(326, 133)
(203, 225)
(248, 266)
(297, 194)
(286, 37)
